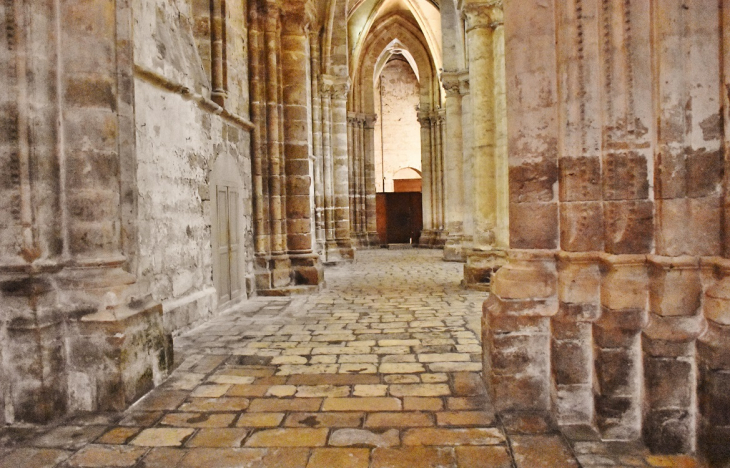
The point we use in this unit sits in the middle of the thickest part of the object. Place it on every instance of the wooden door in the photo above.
(229, 283)
(399, 217)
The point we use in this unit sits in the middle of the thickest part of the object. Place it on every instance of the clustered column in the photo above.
(612, 308)
(336, 169)
(485, 43)
(361, 138)
(432, 128)
(281, 165)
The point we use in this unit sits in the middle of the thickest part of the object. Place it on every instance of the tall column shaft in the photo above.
(305, 264)
(317, 144)
(453, 169)
(485, 40)
(427, 164)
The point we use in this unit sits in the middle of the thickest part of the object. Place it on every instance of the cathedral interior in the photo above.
(364, 233)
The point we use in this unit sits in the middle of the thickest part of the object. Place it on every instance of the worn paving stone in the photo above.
(289, 437)
(483, 457)
(339, 457)
(412, 457)
(69, 437)
(362, 404)
(474, 436)
(162, 437)
(541, 451)
(245, 457)
(363, 437)
(198, 419)
(260, 419)
(219, 437)
(163, 457)
(399, 419)
(34, 457)
(324, 420)
(118, 435)
(99, 456)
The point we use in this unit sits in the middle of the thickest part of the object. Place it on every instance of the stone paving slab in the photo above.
(380, 370)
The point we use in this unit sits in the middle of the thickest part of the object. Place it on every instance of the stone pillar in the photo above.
(369, 179)
(306, 267)
(713, 352)
(624, 296)
(218, 83)
(670, 372)
(317, 150)
(78, 334)
(524, 293)
(516, 332)
(353, 150)
(485, 40)
(438, 178)
(467, 129)
(338, 245)
(427, 233)
(572, 354)
(453, 169)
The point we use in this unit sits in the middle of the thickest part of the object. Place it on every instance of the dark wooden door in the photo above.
(400, 217)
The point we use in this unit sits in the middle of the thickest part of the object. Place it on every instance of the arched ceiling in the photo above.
(364, 14)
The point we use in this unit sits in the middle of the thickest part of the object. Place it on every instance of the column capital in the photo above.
(451, 83)
(335, 86)
(369, 120)
(464, 82)
(489, 14)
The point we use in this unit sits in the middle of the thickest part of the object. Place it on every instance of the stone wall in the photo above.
(612, 311)
(401, 137)
(179, 141)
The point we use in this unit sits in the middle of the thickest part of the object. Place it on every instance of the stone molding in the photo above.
(484, 15)
(201, 101)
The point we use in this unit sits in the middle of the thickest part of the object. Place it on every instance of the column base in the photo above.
(338, 252)
(79, 341)
(480, 267)
(454, 249)
(307, 269)
(427, 238)
(272, 272)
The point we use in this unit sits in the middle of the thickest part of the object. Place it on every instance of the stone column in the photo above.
(352, 152)
(317, 143)
(427, 233)
(78, 333)
(306, 267)
(525, 292)
(467, 129)
(341, 87)
(485, 40)
(713, 364)
(217, 51)
(438, 178)
(279, 264)
(369, 176)
(453, 169)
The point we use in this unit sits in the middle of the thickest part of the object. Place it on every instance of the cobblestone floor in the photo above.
(381, 369)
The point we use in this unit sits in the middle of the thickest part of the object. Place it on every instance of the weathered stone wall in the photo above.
(609, 310)
(401, 137)
(178, 144)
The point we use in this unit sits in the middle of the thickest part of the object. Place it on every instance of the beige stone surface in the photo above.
(162, 437)
(293, 437)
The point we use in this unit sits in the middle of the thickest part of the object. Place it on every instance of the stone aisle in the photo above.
(381, 369)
